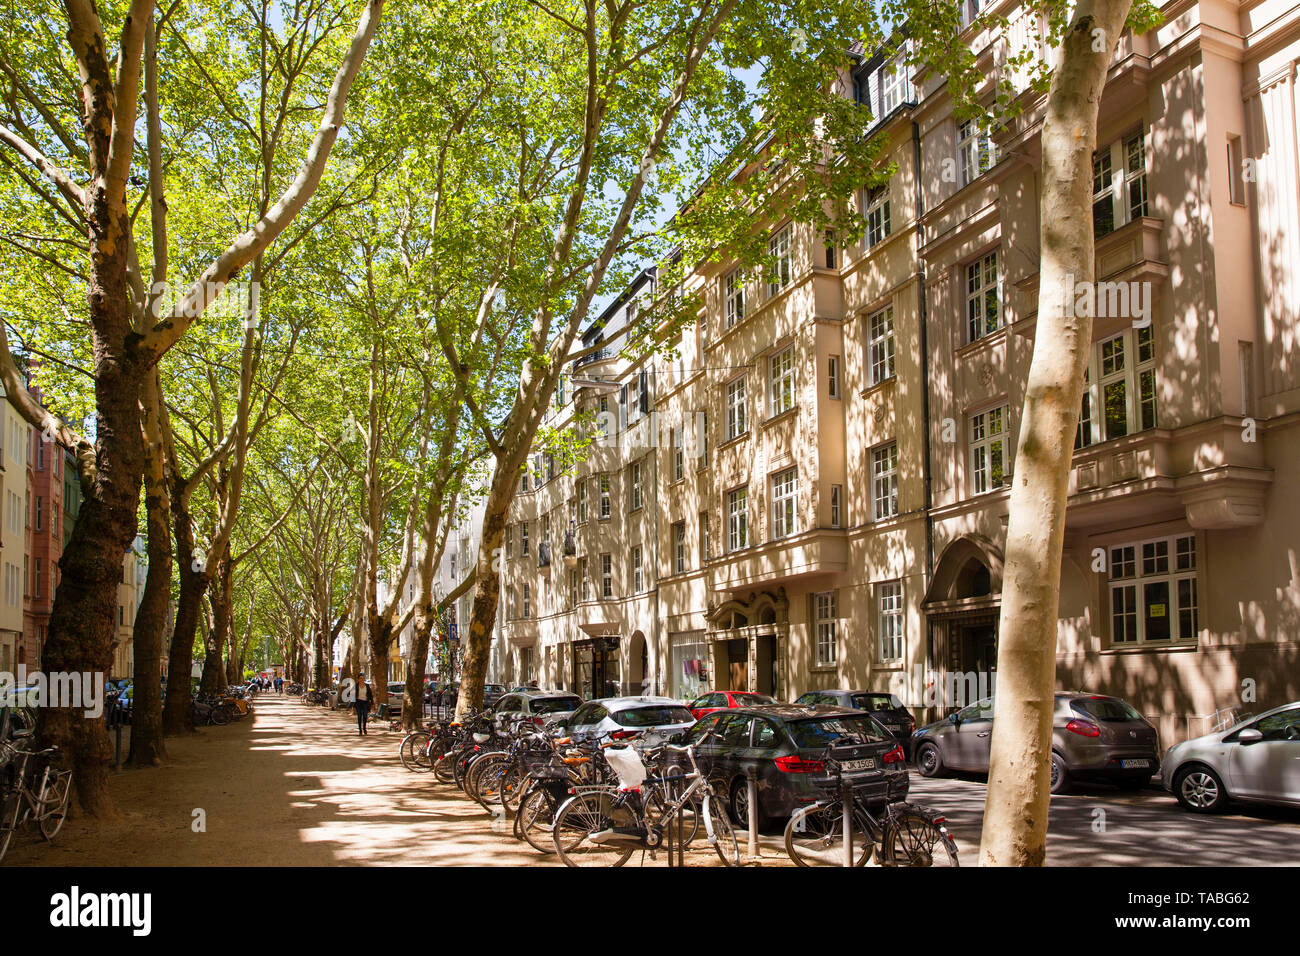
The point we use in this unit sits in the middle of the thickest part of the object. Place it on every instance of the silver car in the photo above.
(1255, 761)
(658, 718)
(539, 706)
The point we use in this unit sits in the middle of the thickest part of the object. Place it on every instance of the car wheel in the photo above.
(740, 806)
(1200, 790)
(1060, 774)
(928, 761)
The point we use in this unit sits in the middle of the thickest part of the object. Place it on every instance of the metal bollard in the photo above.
(847, 803)
(751, 800)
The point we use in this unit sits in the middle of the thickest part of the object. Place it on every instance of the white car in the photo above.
(658, 718)
(1255, 761)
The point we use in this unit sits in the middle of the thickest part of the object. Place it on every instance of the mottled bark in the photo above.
(1016, 805)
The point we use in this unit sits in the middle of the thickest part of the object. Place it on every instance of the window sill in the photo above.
(735, 441)
(1168, 647)
(984, 341)
(788, 413)
(883, 385)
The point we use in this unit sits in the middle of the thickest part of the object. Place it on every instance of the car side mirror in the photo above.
(1250, 736)
(955, 718)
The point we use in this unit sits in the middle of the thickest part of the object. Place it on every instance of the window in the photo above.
(1119, 184)
(606, 576)
(523, 538)
(737, 519)
(782, 377)
(779, 249)
(733, 297)
(583, 578)
(637, 580)
(828, 243)
(634, 492)
(877, 206)
(679, 547)
(704, 537)
(1153, 594)
(785, 487)
(602, 419)
(983, 297)
(837, 506)
(510, 542)
(537, 471)
(528, 606)
(1236, 171)
(37, 588)
(582, 500)
(833, 376)
(884, 481)
(976, 154)
(880, 345)
(1119, 396)
(736, 425)
(989, 451)
(40, 508)
(826, 628)
(891, 80)
(889, 628)
(604, 496)
(679, 454)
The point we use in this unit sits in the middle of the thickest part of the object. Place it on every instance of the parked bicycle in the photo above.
(35, 788)
(604, 825)
(847, 828)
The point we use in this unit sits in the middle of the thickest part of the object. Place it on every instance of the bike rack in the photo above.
(751, 803)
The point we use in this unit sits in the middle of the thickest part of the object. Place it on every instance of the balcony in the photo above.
(821, 551)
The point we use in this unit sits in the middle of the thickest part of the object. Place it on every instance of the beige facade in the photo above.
(862, 416)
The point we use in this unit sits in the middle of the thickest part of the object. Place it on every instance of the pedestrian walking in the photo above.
(361, 703)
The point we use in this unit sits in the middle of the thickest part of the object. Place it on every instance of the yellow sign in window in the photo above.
(1155, 610)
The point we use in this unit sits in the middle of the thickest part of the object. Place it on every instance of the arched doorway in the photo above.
(638, 666)
(962, 606)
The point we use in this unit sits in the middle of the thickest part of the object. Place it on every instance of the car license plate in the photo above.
(1134, 764)
(894, 727)
(867, 764)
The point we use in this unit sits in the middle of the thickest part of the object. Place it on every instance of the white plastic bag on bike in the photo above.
(627, 764)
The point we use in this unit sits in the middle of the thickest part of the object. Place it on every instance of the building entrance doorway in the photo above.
(738, 665)
(595, 668)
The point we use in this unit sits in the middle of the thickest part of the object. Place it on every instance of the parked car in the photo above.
(886, 708)
(783, 746)
(1257, 760)
(539, 706)
(1093, 736)
(715, 700)
(659, 718)
(492, 693)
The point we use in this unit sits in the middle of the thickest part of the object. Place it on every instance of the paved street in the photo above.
(298, 787)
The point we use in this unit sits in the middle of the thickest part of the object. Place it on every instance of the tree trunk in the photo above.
(220, 598)
(321, 671)
(178, 715)
(381, 639)
(482, 619)
(147, 748)
(1016, 804)
(83, 620)
(413, 699)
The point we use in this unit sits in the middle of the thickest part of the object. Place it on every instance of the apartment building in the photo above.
(812, 490)
(45, 465)
(15, 538)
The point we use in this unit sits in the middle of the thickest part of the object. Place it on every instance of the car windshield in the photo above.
(876, 701)
(553, 705)
(819, 732)
(653, 716)
(749, 699)
(494, 688)
(1105, 708)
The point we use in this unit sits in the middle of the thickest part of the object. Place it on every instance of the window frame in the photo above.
(887, 475)
(876, 212)
(737, 519)
(784, 486)
(779, 248)
(891, 624)
(984, 444)
(1144, 574)
(976, 151)
(978, 288)
(783, 383)
(880, 345)
(733, 298)
(825, 628)
(735, 400)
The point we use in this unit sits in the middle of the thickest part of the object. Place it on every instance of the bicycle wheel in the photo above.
(657, 803)
(588, 813)
(486, 778)
(717, 824)
(218, 716)
(511, 788)
(535, 820)
(914, 838)
(815, 836)
(54, 809)
(414, 751)
(444, 768)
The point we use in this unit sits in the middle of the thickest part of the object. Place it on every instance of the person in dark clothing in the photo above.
(362, 704)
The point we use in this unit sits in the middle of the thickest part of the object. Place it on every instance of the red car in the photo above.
(716, 700)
